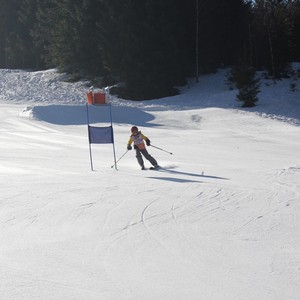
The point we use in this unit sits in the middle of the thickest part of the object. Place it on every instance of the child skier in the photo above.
(138, 141)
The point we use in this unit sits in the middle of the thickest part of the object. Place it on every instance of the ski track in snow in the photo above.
(220, 220)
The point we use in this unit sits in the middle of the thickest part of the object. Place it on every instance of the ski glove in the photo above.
(129, 147)
(148, 142)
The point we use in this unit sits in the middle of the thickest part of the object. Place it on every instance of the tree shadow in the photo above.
(77, 115)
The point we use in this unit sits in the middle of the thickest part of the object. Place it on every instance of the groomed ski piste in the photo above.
(220, 220)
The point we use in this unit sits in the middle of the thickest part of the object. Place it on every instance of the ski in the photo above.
(155, 168)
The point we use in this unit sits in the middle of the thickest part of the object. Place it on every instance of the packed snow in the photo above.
(220, 220)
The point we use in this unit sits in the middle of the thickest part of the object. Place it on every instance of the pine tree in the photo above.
(67, 30)
(8, 20)
(143, 44)
(293, 11)
(223, 28)
(31, 56)
(64, 39)
(271, 38)
(244, 78)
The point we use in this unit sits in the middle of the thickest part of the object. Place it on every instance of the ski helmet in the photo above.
(134, 129)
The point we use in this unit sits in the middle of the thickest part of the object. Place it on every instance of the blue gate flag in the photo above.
(101, 135)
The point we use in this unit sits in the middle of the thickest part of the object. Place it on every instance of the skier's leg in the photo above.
(139, 158)
(149, 157)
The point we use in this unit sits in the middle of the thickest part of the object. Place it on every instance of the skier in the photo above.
(138, 141)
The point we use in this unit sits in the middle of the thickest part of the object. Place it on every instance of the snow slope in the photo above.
(220, 221)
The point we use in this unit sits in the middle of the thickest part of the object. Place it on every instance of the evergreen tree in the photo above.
(18, 49)
(143, 44)
(8, 20)
(150, 45)
(31, 57)
(223, 29)
(293, 7)
(67, 29)
(271, 41)
(244, 78)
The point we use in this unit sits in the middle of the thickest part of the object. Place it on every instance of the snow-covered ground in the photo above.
(220, 221)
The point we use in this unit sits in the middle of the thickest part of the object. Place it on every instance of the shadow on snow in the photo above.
(77, 115)
(179, 180)
(170, 171)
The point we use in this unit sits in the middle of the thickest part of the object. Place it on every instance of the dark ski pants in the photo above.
(145, 153)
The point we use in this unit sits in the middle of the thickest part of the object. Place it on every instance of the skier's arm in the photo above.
(130, 141)
(146, 140)
(129, 147)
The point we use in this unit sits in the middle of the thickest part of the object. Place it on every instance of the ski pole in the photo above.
(119, 159)
(161, 149)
